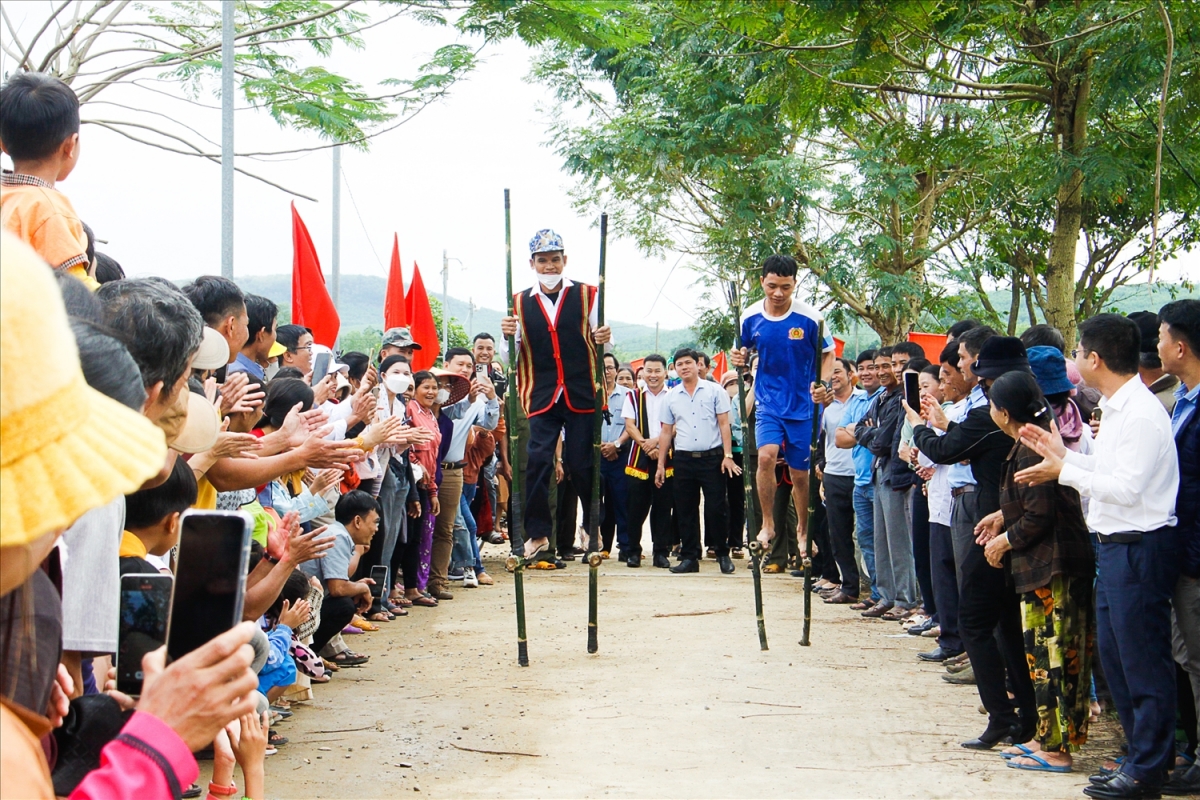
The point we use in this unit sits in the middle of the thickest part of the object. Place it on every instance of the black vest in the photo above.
(557, 352)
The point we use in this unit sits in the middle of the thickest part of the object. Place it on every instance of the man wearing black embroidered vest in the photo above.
(557, 346)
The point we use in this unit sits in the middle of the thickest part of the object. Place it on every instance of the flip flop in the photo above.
(540, 548)
(1042, 764)
(1025, 751)
(541, 565)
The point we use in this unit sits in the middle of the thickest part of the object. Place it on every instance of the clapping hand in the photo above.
(1049, 445)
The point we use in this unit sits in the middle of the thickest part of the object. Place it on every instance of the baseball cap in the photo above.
(277, 349)
(545, 241)
(399, 337)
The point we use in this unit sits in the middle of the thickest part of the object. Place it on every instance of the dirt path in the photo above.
(670, 706)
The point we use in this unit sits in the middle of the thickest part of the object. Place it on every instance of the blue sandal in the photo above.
(1042, 764)
(1025, 751)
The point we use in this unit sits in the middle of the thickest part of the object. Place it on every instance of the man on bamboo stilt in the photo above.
(783, 330)
(558, 342)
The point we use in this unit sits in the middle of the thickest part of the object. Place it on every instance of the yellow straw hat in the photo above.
(64, 447)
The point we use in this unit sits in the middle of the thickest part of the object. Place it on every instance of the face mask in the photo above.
(550, 282)
(397, 383)
(672, 374)
(442, 396)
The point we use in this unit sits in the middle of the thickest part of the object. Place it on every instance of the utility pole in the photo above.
(445, 301)
(228, 11)
(470, 315)
(656, 337)
(336, 260)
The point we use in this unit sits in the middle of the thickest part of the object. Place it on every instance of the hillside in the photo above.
(361, 306)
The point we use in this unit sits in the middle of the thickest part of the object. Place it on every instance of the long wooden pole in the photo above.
(594, 558)
(749, 469)
(813, 491)
(516, 517)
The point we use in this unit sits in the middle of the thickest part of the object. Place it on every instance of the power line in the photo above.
(366, 233)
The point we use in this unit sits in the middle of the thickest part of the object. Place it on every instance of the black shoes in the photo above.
(726, 564)
(918, 629)
(633, 561)
(686, 565)
(991, 737)
(1183, 781)
(1122, 786)
(661, 561)
(937, 655)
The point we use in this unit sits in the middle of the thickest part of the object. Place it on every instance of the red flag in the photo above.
(394, 312)
(720, 365)
(420, 322)
(311, 304)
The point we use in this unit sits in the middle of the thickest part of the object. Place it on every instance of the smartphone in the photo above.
(481, 370)
(321, 367)
(144, 622)
(912, 391)
(210, 577)
(379, 574)
(1097, 413)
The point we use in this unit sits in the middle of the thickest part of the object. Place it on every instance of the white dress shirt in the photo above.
(1132, 473)
(696, 416)
(654, 406)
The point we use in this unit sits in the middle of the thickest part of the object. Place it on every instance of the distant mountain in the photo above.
(361, 306)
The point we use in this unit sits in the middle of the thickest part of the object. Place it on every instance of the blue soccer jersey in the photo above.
(785, 358)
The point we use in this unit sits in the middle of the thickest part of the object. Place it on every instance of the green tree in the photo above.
(99, 44)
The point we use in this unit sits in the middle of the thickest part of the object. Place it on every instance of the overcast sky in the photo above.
(437, 181)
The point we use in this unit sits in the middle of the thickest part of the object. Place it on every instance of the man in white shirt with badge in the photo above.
(1132, 477)
(695, 416)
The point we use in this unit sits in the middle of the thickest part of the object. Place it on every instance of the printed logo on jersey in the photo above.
(796, 333)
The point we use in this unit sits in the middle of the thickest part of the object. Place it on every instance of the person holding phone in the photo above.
(357, 518)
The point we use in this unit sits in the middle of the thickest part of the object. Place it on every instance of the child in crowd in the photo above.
(39, 130)
(152, 519)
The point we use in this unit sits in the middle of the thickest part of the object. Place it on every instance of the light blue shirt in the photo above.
(695, 415)
(611, 431)
(960, 475)
(856, 411)
(336, 563)
(483, 412)
(246, 365)
(838, 460)
(1186, 403)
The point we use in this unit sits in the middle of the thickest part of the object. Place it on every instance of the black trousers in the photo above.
(989, 621)
(693, 476)
(567, 515)
(944, 577)
(839, 507)
(919, 525)
(647, 499)
(336, 613)
(544, 430)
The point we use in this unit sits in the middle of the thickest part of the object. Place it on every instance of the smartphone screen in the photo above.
(145, 618)
(912, 391)
(321, 367)
(379, 574)
(210, 577)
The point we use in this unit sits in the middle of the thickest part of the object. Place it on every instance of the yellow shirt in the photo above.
(132, 546)
(44, 218)
(206, 495)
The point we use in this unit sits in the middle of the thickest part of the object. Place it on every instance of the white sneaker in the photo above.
(469, 579)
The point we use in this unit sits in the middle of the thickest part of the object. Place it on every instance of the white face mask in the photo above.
(672, 374)
(442, 396)
(550, 282)
(397, 383)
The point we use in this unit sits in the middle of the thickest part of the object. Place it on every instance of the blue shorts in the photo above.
(794, 436)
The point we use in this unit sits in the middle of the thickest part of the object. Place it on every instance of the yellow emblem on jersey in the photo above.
(796, 333)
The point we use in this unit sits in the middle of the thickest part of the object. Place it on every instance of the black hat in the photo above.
(1000, 354)
(1147, 322)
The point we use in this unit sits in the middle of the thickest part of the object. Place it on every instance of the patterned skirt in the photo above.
(1060, 633)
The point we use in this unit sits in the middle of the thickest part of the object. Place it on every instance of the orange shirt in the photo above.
(44, 218)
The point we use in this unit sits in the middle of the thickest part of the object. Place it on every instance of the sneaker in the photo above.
(455, 574)
(469, 580)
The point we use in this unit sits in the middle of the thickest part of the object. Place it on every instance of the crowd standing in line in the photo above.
(1034, 511)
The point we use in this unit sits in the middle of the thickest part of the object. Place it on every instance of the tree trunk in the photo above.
(1071, 105)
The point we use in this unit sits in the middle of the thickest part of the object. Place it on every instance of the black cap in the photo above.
(1001, 354)
(1147, 322)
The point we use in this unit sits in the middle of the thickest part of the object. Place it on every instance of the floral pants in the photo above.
(1060, 632)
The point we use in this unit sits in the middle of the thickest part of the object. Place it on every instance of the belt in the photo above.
(716, 451)
(961, 490)
(453, 464)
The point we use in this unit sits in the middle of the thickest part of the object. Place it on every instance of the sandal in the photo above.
(541, 565)
(737, 552)
(424, 600)
(893, 615)
(349, 658)
(401, 601)
(1040, 765)
(330, 666)
(364, 625)
(275, 740)
(326, 678)
(378, 616)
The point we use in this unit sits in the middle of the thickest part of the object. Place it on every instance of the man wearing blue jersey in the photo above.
(783, 331)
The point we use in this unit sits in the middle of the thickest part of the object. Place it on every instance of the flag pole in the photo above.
(594, 558)
(516, 529)
(749, 472)
(813, 491)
